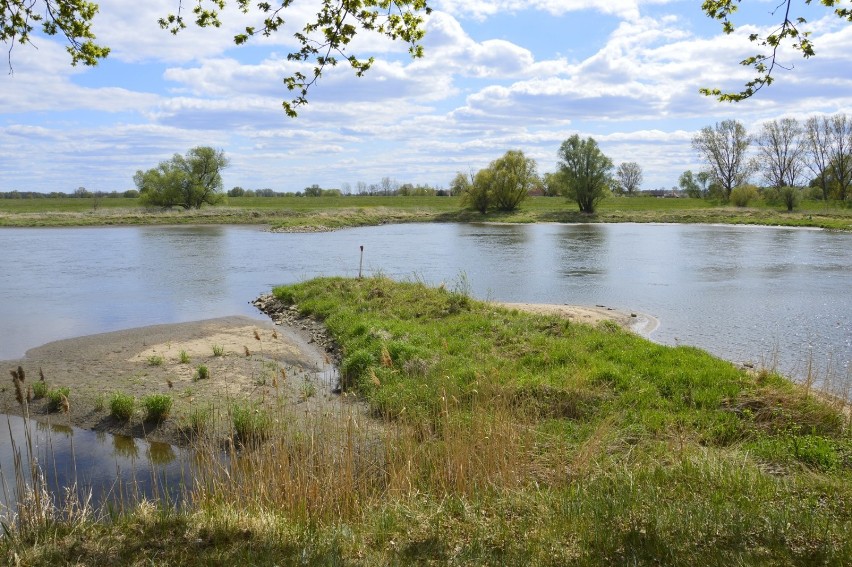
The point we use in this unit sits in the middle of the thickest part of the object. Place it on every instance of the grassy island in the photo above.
(493, 436)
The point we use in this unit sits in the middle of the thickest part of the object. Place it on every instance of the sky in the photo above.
(497, 75)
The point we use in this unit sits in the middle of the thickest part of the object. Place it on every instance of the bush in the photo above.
(121, 406)
(184, 357)
(741, 196)
(218, 350)
(54, 398)
(157, 407)
(789, 197)
(155, 360)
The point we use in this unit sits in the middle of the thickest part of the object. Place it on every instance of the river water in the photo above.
(748, 294)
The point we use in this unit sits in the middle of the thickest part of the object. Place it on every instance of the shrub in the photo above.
(790, 197)
(741, 196)
(157, 406)
(54, 398)
(252, 423)
(155, 360)
(218, 350)
(121, 406)
(184, 357)
(202, 372)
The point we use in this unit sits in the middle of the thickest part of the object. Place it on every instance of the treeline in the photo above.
(80, 193)
(387, 188)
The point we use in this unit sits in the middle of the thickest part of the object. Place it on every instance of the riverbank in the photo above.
(597, 445)
(302, 214)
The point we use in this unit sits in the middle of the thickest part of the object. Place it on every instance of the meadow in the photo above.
(497, 437)
(323, 213)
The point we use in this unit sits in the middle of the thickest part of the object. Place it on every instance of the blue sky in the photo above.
(497, 75)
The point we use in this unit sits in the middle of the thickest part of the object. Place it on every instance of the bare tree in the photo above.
(629, 176)
(781, 152)
(817, 140)
(840, 153)
(724, 149)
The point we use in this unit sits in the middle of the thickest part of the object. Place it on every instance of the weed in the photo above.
(183, 357)
(201, 372)
(40, 389)
(155, 360)
(121, 406)
(308, 390)
(100, 402)
(157, 407)
(57, 397)
(199, 419)
(218, 350)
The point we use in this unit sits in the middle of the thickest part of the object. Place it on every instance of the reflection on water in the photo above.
(110, 466)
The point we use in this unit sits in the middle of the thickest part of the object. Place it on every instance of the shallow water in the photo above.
(744, 293)
(112, 468)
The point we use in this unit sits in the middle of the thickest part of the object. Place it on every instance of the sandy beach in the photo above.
(286, 360)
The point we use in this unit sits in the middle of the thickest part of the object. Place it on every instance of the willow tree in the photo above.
(184, 181)
(584, 172)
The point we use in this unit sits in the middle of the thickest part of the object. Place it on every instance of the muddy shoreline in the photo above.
(260, 362)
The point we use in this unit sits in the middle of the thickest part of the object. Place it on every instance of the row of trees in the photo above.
(79, 193)
(787, 150)
(584, 175)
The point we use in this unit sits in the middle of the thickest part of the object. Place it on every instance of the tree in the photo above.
(324, 40)
(237, 192)
(184, 181)
(724, 148)
(689, 184)
(781, 152)
(790, 29)
(503, 185)
(514, 175)
(460, 184)
(584, 171)
(829, 151)
(477, 192)
(818, 136)
(840, 153)
(629, 177)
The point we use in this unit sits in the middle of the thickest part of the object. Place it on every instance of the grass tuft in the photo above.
(121, 406)
(157, 407)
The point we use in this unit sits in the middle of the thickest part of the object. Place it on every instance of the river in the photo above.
(748, 294)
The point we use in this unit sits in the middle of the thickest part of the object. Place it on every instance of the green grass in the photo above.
(300, 213)
(40, 389)
(202, 372)
(55, 398)
(121, 406)
(157, 407)
(252, 423)
(502, 438)
(183, 357)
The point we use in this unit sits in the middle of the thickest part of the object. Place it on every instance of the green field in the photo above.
(318, 213)
(499, 438)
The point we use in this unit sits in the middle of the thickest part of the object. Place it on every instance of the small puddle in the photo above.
(115, 469)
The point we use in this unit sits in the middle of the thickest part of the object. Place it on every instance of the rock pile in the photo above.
(284, 314)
